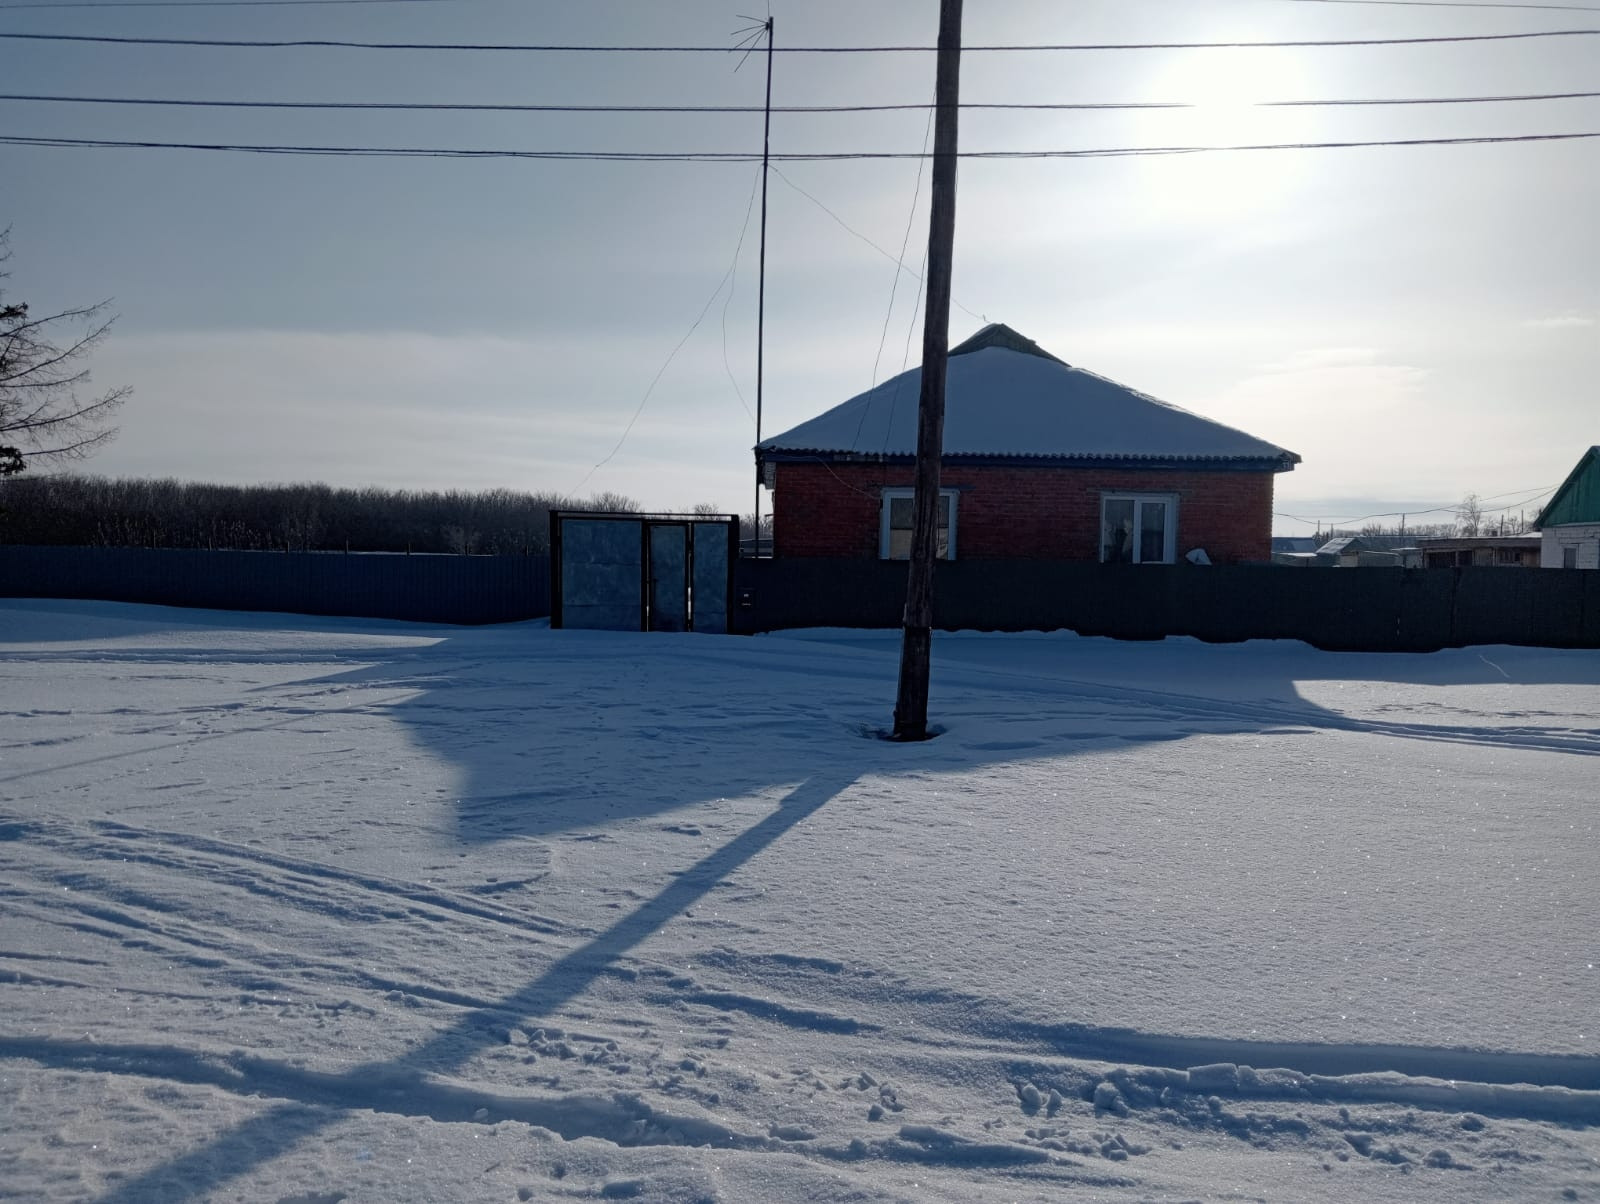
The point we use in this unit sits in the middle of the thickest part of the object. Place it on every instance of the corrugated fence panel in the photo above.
(1371, 609)
(1363, 609)
(426, 589)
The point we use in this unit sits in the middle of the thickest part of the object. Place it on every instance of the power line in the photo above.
(727, 277)
(905, 242)
(205, 3)
(1578, 8)
(341, 44)
(56, 4)
(425, 106)
(727, 301)
(416, 152)
(1448, 508)
(851, 230)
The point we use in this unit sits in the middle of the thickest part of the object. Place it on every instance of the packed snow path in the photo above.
(317, 910)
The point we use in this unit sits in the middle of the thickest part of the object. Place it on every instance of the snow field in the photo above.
(300, 909)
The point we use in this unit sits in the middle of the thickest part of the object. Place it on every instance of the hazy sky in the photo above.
(1416, 322)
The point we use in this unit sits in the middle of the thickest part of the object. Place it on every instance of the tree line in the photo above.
(90, 511)
(87, 511)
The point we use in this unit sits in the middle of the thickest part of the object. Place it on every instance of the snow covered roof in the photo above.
(1008, 399)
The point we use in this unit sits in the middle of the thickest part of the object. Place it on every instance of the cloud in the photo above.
(1317, 358)
(422, 411)
(1355, 418)
(1570, 321)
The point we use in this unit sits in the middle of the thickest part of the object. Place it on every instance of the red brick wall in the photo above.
(1040, 513)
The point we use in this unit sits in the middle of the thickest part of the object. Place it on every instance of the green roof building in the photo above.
(1569, 525)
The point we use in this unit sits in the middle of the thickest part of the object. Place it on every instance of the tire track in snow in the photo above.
(168, 904)
(294, 715)
(255, 973)
(948, 1019)
(313, 885)
(623, 1118)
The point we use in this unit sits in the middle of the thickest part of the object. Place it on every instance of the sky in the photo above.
(1417, 322)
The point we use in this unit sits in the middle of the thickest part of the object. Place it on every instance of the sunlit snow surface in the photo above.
(303, 909)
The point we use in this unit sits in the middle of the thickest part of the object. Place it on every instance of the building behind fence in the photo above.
(1378, 610)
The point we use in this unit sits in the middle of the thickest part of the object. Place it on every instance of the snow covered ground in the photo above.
(307, 910)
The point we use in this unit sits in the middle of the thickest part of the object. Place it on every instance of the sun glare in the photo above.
(1226, 91)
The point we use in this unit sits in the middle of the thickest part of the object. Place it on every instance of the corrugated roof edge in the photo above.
(801, 455)
(1560, 494)
(1000, 337)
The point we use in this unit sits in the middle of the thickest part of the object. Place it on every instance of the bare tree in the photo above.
(749, 529)
(43, 417)
(1469, 516)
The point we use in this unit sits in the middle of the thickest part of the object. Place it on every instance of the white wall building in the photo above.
(1569, 525)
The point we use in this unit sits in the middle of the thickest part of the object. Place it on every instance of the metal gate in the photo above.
(642, 572)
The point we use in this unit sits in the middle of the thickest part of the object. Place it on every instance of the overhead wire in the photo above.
(905, 243)
(894, 287)
(206, 3)
(1021, 106)
(853, 232)
(417, 152)
(1447, 508)
(1575, 8)
(727, 301)
(673, 354)
(538, 47)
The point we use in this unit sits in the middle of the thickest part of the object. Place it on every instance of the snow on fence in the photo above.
(425, 589)
(1375, 610)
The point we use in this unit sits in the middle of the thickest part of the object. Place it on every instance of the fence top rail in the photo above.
(647, 516)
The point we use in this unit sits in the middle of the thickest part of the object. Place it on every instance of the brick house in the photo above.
(1041, 461)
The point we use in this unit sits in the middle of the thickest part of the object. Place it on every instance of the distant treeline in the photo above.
(104, 512)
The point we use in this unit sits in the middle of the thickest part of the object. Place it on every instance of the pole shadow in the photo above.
(278, 1130)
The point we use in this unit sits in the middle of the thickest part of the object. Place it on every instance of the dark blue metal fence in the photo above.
(424, 589)
(1373, 609)
(1363, 609)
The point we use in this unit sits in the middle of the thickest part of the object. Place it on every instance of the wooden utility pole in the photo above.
(761, 288)
(911, 703)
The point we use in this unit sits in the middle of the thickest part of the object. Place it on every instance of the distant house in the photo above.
(1358, 551)
(1293, 544)
(1569, 525)
(1408, 552)
(1481, 551)
(1343, 552)
(1041, 461)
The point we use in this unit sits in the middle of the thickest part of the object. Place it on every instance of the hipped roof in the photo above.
(1008, 399)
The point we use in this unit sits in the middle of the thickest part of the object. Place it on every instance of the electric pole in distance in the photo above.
(911, 703)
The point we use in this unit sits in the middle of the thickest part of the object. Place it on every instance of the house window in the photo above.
(1569, 556)
(894, 525)
(1138, 528)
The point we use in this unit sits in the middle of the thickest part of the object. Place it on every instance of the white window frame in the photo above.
(947, 496)
(1169, 551)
